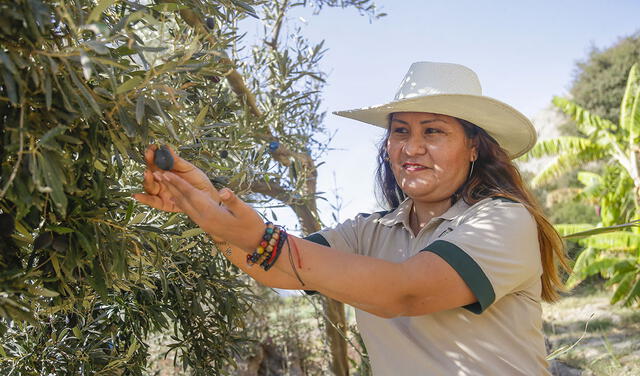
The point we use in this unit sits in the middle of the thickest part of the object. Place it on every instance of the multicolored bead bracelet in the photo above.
(267, 252)
(270, 248)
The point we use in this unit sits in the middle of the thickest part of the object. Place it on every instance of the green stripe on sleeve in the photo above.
(470, 272)
(318, 239)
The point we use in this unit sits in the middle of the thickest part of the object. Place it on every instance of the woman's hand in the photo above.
(230, 218)
(157, 195)
(187, 189)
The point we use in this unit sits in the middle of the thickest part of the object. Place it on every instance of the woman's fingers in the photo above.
(148, 157)
(151, 200)
(236, 206)
(149, 184)
(191, 200)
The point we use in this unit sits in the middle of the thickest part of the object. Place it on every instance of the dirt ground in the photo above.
(592, 337)
(589, 336)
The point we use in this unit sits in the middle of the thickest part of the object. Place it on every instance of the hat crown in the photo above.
(429, 78)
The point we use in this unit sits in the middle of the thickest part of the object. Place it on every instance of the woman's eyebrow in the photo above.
(432, 121)
(421, 122)
(399, 121)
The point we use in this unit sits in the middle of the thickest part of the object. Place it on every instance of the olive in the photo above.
(211, 23)
(33, 217)
(7, 225)
(60, 243)
(9, 255)
(43, 240)
(224, 153)
(71, 320)
(163, 158)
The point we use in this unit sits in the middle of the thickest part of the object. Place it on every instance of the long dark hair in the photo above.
(493, 175)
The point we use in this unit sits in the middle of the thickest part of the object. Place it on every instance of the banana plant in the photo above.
(612, 246)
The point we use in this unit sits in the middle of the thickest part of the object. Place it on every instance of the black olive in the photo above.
(224, 153)
(61, 244)
(71, 320)
(211, 23)
(163, 158)
(33, 217)
(9, 255)
(7, 225)
(43, 240)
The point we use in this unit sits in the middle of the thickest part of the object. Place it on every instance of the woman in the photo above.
(449, 281)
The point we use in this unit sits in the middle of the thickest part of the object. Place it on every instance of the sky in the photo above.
(524, 53)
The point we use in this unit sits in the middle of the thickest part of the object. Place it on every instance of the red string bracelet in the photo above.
(297, 252)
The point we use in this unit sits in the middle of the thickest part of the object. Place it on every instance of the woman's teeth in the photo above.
(413, 167)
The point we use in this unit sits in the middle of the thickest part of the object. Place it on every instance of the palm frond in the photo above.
(585, 258)
(634, 294)
(559, 145)
(600, 230)
(624, 287)
(634, 125)
(614, 241)
(629, 113)
(562, 164)
(588, 178)
(586, 122)
(567, 229)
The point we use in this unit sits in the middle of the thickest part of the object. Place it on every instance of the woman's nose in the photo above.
(415, 145)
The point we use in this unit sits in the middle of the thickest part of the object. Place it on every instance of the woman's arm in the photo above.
(424, 283)
(273, 278)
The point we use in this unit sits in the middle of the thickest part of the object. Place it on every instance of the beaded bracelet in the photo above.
(269, 248)
(267, 264)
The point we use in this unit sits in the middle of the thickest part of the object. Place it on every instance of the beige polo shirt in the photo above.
(493, 245)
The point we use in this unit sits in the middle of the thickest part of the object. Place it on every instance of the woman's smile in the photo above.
(413, 167)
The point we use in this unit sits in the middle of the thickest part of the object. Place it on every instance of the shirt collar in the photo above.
(401, 213)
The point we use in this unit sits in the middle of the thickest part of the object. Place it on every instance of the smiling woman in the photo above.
(449, 280)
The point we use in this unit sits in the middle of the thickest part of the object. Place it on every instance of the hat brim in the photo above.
(513, 131)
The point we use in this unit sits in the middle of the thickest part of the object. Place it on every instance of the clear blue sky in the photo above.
(524, 53)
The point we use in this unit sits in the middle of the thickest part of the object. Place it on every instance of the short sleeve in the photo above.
(494, 249)
(347, 236)
(343, 237)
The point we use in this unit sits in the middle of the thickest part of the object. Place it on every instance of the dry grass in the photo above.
(610, 343)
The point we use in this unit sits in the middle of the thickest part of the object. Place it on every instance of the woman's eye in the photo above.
(432, 130)
(399, 130)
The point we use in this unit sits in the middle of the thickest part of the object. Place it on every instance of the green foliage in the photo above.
(89, 274)
(600, 80)
(572, 210)
(85, 274)
(611, 250)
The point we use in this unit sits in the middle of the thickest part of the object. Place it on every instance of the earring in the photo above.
(471, 169)
(386, 157)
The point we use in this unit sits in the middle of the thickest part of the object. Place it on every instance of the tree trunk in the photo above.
(335, 319)
(336, 330)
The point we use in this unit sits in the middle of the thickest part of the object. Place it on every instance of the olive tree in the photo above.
(86, 274)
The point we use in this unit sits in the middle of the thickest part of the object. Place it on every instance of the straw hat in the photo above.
(454, 90)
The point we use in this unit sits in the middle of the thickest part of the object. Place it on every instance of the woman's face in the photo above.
(429, 154)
